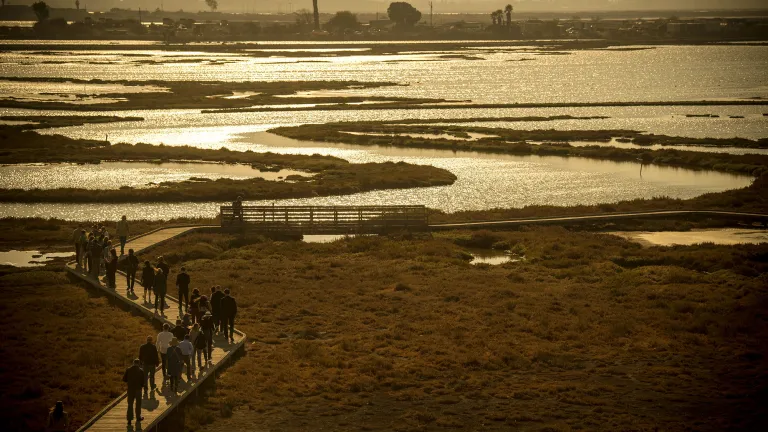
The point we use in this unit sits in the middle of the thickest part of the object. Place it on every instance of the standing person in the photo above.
(95, 257)
(204, 307)
(194, 333)
(76, 242)
(201, 345)
(106, 247)
(130, 271)
(206, 324)
(237, 210)
(58, 419)
(187, 350)
(162, 265)
(215, 301)
(179, 331)
(175, 364)
(111, 269)
(82, 243)
(163, 342)
(122, 233)
(228, 313)
(160, 289)
(134, 377)
(182, 283)
(147, 280)
(149, 361)
(194, 305)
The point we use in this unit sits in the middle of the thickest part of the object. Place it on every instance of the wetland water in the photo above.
(669, 73)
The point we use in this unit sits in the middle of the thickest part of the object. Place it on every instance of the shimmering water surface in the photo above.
(670, 73)
(114, 175)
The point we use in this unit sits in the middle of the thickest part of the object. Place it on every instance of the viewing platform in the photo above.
(326, 219)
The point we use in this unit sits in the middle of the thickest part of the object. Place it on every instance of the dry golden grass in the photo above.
(60, 342)
(590, 332)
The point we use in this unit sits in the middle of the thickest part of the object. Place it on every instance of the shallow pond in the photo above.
(29, 258)
(717, 236)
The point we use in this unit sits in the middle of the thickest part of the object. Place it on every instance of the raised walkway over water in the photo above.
(326, 219)
(161, 402)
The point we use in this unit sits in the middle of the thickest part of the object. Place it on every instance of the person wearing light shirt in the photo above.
(187, 350)
(163, 342)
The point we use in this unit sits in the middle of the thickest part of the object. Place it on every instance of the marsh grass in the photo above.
(591, 332)
(60, 342)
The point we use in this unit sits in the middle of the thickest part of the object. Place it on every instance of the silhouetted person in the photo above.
(132, 266)
(182, 283)
(122, 233)
(111, 267)
(228, 313)
(206, 324)
(237, 210)
(163, 342)
(179, 331)
(149, 361)
(76, 242)
(134, 377)
(194, 305)
(58, 419)
(82, 245)
(215, 301)
(175, 364)
(147, 280)
(187, 350)
(162, 265)
(94, 249)
(160, 289)
(201, 345)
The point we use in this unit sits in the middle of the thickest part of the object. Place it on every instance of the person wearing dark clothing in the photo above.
(201, 347)
(206, 324)
(134, 377)
(58, 419)
(131, 267)
(111, 267)
(215, 301)
(228, 307)
(237, 210)
(160, 290)
(179, 331)
(162, 265)
(95, 251)
(149, 361)
(182, 283)
(194, 305)
(147, 280)
(175, 364)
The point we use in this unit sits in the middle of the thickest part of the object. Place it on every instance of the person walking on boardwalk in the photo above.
(163, 342)
(76, 243)
(201, 345)
(162, 265)
(122, 233)
(149, 361)
(160, 290)
(182, 283)
(203, 307)
(215, 301)
(58, 419)
(194, 305)
(147, 280)
(175, 364)
(187, 350)
(228, 313)
(134, 377)
(179, 331)
(206, 324)
(82, 244)
(95, 249)
(194, 333)
(132, 266)
(112, 269)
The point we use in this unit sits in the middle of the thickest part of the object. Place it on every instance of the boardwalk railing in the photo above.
(326, 219)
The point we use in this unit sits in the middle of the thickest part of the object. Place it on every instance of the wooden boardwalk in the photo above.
(160, 403)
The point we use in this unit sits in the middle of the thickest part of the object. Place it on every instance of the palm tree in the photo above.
(493, 17)
(500, 16)
(316, 14)
(508, 12)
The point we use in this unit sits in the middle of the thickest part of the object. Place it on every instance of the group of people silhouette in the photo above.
(187, 345)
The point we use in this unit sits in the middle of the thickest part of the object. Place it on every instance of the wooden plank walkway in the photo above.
(161, 402)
